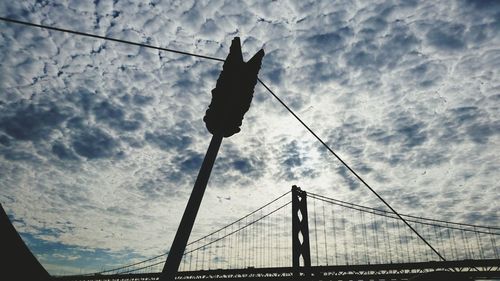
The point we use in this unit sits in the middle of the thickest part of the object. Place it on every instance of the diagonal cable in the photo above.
(109, 38)
(350, 169)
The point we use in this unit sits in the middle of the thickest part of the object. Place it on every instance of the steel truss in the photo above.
(457, 270)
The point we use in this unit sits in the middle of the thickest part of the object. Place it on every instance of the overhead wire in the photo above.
(109, 39)
(260, 81)
(351, 170)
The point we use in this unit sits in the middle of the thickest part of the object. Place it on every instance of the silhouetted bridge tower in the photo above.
(328, 239)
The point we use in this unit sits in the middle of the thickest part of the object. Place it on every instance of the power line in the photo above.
(350, 169)
(109, 39)
(260, 81)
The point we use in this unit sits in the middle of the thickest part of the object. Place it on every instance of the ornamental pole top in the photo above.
(233, 92)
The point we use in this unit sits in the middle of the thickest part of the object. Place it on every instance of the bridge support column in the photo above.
(300, 229)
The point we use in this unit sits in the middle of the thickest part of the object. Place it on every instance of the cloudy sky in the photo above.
(100, 142)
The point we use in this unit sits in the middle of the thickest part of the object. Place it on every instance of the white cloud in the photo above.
(101, 142)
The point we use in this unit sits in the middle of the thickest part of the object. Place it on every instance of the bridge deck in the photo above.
(457, 270)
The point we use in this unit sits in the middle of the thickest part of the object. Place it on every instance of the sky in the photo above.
(100, 142)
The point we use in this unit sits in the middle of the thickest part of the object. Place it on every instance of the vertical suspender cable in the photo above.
(324, 234)
(336, 262)
(315, 232)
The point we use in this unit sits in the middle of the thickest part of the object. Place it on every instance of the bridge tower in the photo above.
(300, 229)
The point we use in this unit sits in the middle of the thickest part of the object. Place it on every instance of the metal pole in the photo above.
(182, 236)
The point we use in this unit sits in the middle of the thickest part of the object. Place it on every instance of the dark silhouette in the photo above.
(231, 99)
(300, 227)
(16, 260)
(441, 276)
(233, 93)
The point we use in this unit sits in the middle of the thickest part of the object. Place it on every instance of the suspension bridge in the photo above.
(330, 240)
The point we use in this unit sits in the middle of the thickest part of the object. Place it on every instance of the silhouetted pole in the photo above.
(231, 99)
(181, 237)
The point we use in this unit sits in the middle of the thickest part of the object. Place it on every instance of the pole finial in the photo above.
(233, 92)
